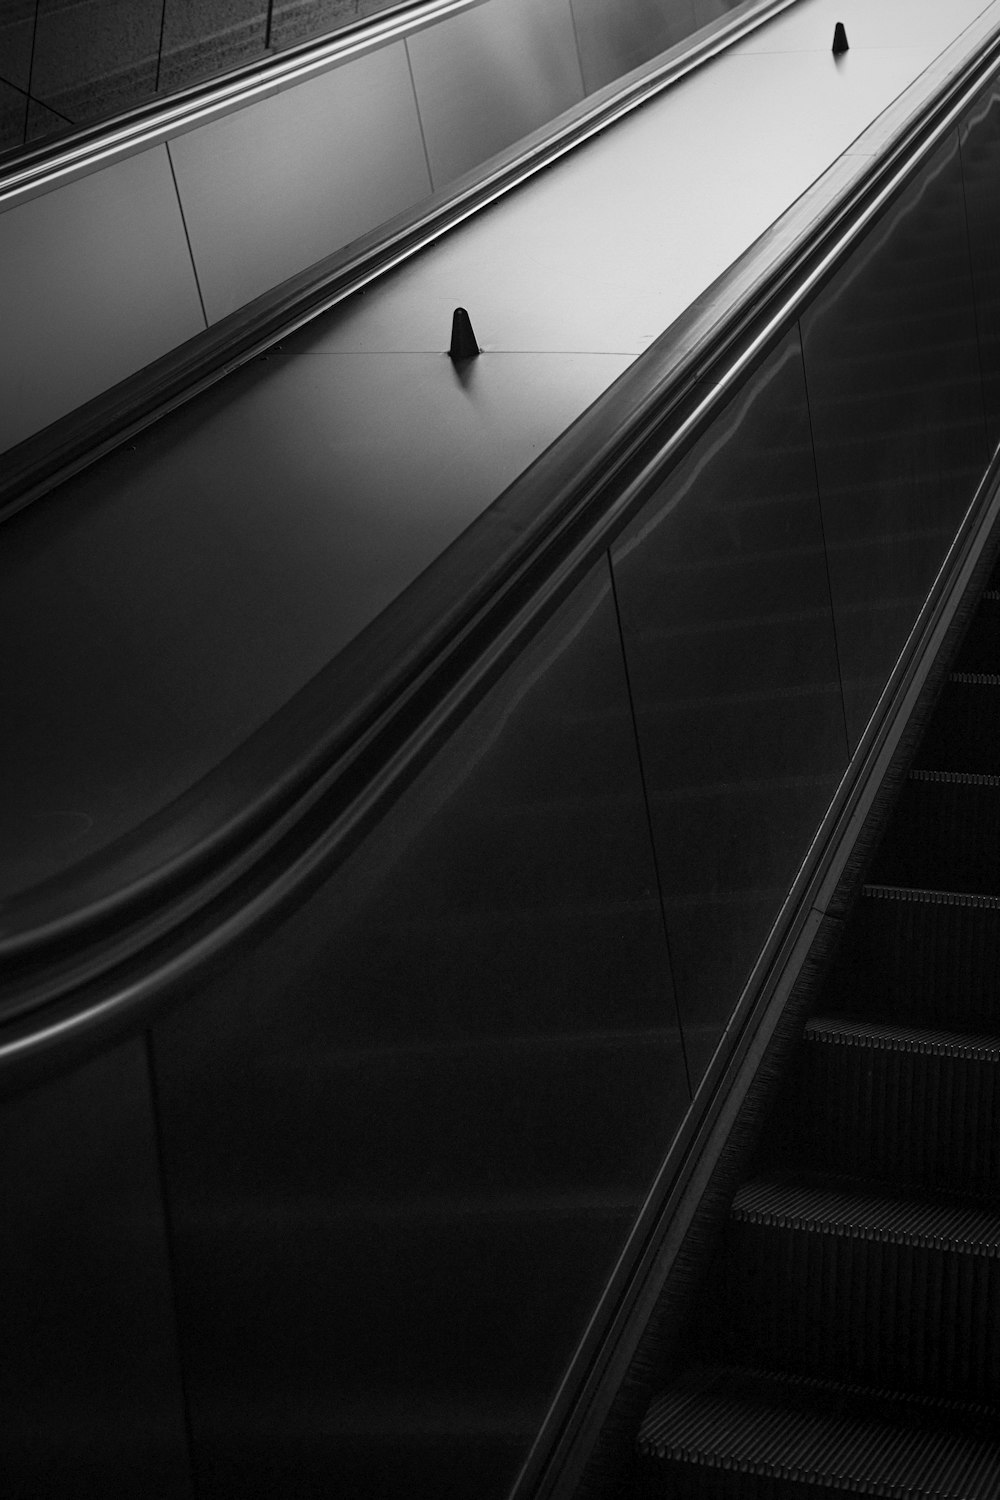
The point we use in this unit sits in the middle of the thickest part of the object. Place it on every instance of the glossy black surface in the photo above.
(979, 135)
(406, 1137)
(17, 20)
(205, 37)
(13, 112)
(44, 122)
(294, 20)
(90, 1396)
(728, 631)
(93, 58)
(892, 367)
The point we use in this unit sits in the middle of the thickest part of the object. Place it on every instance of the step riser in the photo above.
(923, 963)
(943, 836)
(666, 1480)
(980, 650)
(964, 734)
(842, 1308)
(907, 1118)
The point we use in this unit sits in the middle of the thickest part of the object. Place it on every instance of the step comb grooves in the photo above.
(926, 1225)
(801, 1433)
(917, 1041)
(955, 778)
(980, 901)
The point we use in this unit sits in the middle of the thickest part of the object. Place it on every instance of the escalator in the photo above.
(852, 1339)
(358, 1084)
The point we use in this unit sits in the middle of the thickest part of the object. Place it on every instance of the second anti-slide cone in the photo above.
(840, 42)
(464, 344)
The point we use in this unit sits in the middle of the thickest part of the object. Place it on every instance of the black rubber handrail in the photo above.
(37, 464)
(92, 951)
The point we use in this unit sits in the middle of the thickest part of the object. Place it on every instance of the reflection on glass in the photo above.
(728, 630)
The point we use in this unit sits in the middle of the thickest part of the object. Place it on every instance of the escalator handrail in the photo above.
(96, 949)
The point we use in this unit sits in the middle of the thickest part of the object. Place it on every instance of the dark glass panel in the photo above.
(17, 20)
(727, 625)
(202, 38)
(980, 145)
(295, 20)
(93, 58)
(44, 123)
(896, 402)
(407, 1136)
(90, 1397)
(13, 109)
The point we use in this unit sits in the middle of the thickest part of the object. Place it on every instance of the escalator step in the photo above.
(944, 833)
(742, 1434)
(852, 1283)
(926, 957)
(900, 1103)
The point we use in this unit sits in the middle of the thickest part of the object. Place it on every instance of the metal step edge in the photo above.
(926, 897)
(913, 1040)
(956, 778)
(711, 1429)
(916, 1223)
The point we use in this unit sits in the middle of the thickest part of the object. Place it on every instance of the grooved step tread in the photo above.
(956, 778)
(820, 1432)
(857, 1211)
(914, 1040)
(980, 901)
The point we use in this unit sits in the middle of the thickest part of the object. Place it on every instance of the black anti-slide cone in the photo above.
(840, 42)
(464, 344)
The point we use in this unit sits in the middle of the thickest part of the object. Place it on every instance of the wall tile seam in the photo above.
(187, 235)
(420, 118)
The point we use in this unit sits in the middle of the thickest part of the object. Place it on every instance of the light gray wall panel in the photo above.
(95, 282)
(490, 75)
(710, 10)
(616, 38)
(275, 187)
